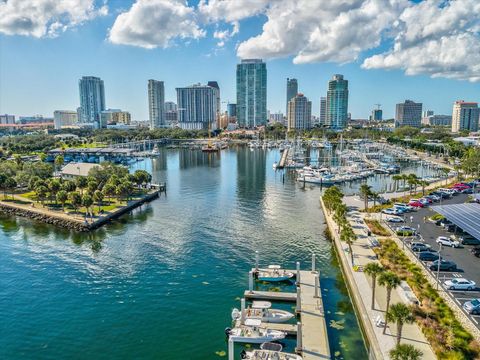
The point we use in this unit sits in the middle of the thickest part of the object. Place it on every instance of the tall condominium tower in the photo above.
(323, 111)
(92, 99)
(337, 103)
(299, 113)
(465, 116)
(408, 113)
(251, 93)
(198, 107)
(292, 90)
(156, 103)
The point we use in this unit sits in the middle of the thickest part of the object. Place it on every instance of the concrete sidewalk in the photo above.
(363, 254)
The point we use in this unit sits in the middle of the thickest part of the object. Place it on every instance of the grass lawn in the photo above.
(376, 228)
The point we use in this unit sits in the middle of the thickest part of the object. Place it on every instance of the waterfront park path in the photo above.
(363, 254)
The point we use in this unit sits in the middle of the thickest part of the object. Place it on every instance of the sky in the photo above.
(389, 50)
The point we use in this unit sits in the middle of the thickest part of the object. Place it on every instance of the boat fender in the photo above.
(228, 331)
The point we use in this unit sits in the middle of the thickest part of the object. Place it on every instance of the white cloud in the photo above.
(314, 31)
(224, 35)
(155, 23)
(231, 10)
(437, 39)
(45, 18)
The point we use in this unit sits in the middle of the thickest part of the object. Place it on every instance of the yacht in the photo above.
(262, 310)
(274, 274)
(252, 332)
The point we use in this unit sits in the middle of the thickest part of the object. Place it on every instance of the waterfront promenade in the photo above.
(361, 292)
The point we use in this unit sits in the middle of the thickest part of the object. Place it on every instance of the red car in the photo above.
(416, 203)
(460, 186)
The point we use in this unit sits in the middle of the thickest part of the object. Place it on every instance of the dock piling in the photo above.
(298, 349)
(317, 286)
(231, 349)
(313, 262)
(256, 260)
(298, 273)
(299, 301)
(242, 311)
(250, 281)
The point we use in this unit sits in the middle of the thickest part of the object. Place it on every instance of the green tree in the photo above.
(59, 161)
(92, 186)
(62, 197)
(400, 314)
(41, 191)
(365, 192)
(98, 198)
(81, 183)
(109, 190)
(87, 201)
(373, 269)
(348, 236)
(405, 352)
(396, 178)
(142, 177)
(68, 186)
(10, 184)
(54, 186)
(390, 280)
(75, 199)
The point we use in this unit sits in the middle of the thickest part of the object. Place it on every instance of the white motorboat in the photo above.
(274, 274)
(253, 333)
(275, 165)
(262, 310)
(272, 351)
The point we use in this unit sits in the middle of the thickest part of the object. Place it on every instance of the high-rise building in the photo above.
(377, 115)
(465, 116)
(7, 119)
(198, 107)
(323, 111)
(337, 103)
(232, 110)
(92, 100)
(277, 117)
(63, 118)
(292, 91)
(170, 106)
(427, 113)
(299, 113)
(156, 103)
(251, 93)
(408, 113)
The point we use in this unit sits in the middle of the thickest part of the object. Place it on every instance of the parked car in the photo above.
(460, 284)
(425, 200)
(416, 203)
(441, 194)
(428, 255)
(390, 211)
(445, 265)
(472, 307)
(420, 247)
(404, 207)
(476, 252)
(467, 191)
(395, 219)
(469, 240)
(405, 228)
(446, 241)
(434, 198)
(445, 222)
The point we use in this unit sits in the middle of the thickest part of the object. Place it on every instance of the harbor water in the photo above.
(160, 282)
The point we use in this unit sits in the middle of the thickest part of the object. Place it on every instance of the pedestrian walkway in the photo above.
(363, 254)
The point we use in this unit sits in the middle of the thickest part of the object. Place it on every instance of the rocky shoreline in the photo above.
(62, 220)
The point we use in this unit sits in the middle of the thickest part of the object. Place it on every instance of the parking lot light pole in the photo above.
(439, 261)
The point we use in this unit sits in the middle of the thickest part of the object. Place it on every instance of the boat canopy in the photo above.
(261, 305)
(274, 267)
(253, 322)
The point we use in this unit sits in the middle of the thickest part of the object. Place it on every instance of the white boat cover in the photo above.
(261, 305)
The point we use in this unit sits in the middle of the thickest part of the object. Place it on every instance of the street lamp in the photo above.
(438, 265)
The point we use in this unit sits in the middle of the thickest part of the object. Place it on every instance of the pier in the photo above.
(311, 328)
(283, 159)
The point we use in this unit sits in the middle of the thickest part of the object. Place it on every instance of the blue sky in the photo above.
(40, 74)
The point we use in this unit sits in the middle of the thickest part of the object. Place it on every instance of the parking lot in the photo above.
(468, 266)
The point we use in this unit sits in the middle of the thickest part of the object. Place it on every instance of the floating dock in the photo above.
(283, 159)
(270, 296)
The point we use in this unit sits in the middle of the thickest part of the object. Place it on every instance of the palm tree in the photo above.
(400, 314)
(405, 352)
(423, 184)
(396, 179)
(390, 280)
(62, 197)
(348, 236)
(373, 269)
(365, 191)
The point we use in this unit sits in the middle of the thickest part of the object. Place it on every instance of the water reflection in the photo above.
(251, 169)
(194, 158)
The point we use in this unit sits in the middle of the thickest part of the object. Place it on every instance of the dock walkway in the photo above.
(283, 159)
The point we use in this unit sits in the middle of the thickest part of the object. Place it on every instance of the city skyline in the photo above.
(212, 52)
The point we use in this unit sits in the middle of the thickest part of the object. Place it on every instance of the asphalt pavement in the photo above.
(468, 266)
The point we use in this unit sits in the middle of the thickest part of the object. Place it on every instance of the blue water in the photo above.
(160, 282)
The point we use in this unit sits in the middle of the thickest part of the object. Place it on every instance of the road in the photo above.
(468, 265)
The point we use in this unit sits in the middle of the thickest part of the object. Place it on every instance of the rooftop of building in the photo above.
(78, 169)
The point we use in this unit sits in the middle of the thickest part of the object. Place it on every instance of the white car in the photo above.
(395, 219)
(389, 211)
(447, 241)
(459, 284)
